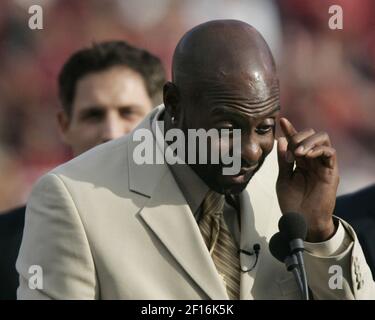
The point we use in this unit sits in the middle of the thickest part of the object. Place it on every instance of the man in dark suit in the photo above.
(105, 91)
(11, 229)
(358, 209)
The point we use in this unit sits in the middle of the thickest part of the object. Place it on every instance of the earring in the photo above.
(172, 119)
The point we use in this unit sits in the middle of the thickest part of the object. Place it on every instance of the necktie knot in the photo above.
(213, 204)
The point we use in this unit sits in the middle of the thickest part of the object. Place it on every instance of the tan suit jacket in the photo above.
(103, 227)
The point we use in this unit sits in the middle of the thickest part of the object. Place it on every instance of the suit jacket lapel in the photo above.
(256, 205)
(170, 218)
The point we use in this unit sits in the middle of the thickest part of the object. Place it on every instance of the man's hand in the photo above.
(310, 186)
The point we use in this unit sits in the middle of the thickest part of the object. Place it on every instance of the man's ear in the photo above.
(171, 99)
(63, 122)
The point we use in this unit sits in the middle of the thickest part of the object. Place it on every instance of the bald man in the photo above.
(109, 226)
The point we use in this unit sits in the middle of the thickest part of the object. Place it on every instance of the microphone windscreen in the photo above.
(293, 226)
(279, 246)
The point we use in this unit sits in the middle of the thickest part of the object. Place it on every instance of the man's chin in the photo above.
(236, 187)
(233, 184)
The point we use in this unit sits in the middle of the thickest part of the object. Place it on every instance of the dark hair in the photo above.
(105, 55)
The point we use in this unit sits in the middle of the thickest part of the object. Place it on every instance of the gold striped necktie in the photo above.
(220, 243)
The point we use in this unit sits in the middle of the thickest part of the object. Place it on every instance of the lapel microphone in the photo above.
(256, 248)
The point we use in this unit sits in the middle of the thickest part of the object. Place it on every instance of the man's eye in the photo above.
(230, 128)
(126, 113)
(265, 129)
(93, 115)
(225, 125)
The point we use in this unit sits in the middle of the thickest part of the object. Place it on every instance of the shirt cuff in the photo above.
(332, 247)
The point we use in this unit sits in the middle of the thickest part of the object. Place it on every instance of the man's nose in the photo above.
(251, 153)
(113, 128)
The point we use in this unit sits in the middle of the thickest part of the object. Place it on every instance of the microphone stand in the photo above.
(301, 266)
(292, 265)
(297, 248)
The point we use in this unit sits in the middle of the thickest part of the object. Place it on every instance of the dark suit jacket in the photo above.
(359, 210)
(11, 230)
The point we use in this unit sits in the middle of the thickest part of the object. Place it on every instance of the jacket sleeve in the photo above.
(55, 261)
(337, 269)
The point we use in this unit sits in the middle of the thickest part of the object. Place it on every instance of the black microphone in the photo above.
(256, 249)
(280, 250)
(293, 227)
